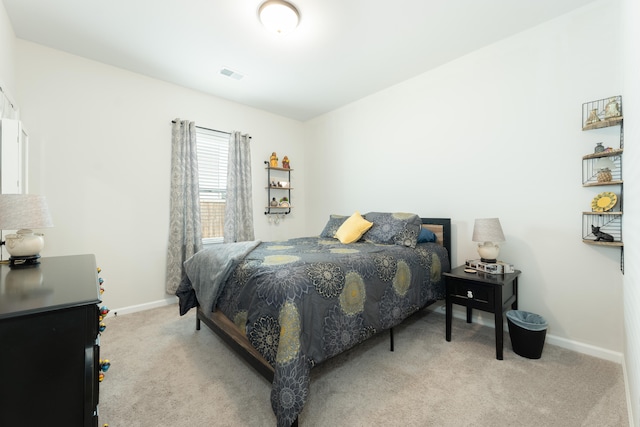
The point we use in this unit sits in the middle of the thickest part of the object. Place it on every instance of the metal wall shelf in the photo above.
(604, 169)
(277, 191)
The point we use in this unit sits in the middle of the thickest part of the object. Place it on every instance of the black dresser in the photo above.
(49, 345)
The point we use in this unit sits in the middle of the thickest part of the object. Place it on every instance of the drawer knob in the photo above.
(469, 294)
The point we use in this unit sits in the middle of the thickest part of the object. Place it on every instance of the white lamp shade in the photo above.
(24, 211)
(279, 16)
(487, 230)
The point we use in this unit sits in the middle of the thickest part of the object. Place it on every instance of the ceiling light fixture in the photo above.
(279, 16)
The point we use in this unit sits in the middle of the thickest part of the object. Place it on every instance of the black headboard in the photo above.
(446, 230)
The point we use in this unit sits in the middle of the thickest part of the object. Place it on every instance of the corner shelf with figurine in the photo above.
(602, 225)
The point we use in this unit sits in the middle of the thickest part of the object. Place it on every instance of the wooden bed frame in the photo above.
(231, 334)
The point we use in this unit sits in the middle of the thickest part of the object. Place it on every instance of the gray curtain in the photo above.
(238, 214)
(185, 232)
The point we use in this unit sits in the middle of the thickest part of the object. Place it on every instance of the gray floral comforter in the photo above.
(304, 300)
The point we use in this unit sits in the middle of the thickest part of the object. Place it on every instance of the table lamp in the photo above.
(488, 231)
(23, 212)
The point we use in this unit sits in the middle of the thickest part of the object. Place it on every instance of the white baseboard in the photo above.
(628, 393)
(599, 352)
(486, 319)
(146, 306)
(579, 347)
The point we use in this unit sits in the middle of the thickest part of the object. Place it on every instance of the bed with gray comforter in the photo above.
(304, 300)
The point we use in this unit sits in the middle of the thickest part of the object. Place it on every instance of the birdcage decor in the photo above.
(603, 168)
(602, 228)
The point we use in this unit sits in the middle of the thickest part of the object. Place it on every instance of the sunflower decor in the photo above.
(604, 202)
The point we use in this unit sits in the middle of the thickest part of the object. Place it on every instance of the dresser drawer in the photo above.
(481, 296)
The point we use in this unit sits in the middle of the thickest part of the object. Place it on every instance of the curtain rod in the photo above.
(213, 130)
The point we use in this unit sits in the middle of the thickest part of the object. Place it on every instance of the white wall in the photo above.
(631, 292)
(100, 151)
(495, 133)
(7, 48)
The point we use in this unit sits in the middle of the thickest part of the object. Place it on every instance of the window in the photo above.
(213, 149)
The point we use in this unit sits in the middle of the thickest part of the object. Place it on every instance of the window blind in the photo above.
(213, 148)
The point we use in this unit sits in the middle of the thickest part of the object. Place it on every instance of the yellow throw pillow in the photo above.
(353, 228)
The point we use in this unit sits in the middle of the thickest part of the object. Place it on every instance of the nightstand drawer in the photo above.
(479, 294)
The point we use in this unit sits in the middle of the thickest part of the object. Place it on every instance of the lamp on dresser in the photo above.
(488, 231)
(24, 212)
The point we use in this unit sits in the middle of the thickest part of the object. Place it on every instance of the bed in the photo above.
(287, 306)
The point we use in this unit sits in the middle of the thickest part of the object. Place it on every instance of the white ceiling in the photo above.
(342, 50)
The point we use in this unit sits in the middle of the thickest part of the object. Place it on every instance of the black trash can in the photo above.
(527, 332)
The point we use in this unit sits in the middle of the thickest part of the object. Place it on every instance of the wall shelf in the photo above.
(604, 168)
(603, 123)
(278, 187)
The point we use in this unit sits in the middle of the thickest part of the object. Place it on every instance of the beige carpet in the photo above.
(165, 373)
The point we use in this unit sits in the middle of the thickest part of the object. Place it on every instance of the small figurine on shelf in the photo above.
(601, 236)
(273, 161)
(612, 109)
(593, 117)
(285, 162)
(274, 202)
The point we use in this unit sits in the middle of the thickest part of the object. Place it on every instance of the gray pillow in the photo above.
(335, 221)
(397, 228)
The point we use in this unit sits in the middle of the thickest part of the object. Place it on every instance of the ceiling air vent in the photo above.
(231, 74)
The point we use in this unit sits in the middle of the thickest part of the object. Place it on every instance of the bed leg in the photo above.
(295, 423)
(197, 323)
(390, 339)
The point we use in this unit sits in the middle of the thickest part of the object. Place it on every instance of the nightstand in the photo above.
(493, 293)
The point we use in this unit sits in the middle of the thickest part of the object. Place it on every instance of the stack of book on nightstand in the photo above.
(498, 267)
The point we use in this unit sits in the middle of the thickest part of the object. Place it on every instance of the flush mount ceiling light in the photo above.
(279, 16)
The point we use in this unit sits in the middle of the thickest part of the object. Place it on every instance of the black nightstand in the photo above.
(493, 293)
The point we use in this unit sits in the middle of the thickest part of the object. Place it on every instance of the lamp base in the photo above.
(24, 261)
(488, 252)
